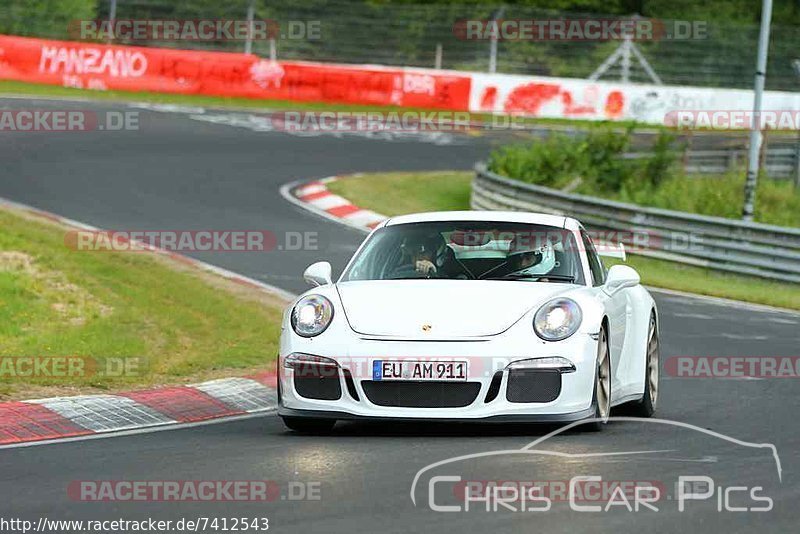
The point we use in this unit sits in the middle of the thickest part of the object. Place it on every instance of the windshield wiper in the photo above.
(536, 277)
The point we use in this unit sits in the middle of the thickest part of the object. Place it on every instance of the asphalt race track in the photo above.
(178, 172)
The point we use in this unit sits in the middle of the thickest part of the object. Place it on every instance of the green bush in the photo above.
(597, 159)
(43, 18)
(551, 162)
(657, 168)
(603, 164)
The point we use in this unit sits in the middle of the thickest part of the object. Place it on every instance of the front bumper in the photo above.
(354, 396)
(509, 418)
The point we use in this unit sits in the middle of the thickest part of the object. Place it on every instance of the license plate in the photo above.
(451, 371)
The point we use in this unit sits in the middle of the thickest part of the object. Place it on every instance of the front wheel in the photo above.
(647, 406)
(601, 399)
(309, 425)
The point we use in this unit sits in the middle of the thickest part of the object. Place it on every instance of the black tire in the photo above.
(309, 425)
(647, 406)
(600, 402)
(278, 377)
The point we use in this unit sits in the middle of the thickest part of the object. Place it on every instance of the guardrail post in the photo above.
(112, 17)
(686, 151)
(797, 163)
(733, 157)
(762, 153)
(248, 44)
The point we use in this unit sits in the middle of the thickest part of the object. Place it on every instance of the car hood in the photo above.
(452, 309)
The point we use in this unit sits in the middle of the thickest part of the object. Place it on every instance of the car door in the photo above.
(617, 309)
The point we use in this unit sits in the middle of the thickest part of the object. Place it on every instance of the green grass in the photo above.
(177, 322)
(669, 275)
(397, 193)
(777, 201)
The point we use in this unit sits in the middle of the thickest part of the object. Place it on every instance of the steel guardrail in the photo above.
(779, 162)
(735, 246)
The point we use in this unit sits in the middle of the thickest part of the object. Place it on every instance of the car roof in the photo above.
(489, 216)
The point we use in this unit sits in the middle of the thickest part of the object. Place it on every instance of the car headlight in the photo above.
(557, 319)
(312, 315)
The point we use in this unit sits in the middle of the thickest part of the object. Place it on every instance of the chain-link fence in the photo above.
(423, 35)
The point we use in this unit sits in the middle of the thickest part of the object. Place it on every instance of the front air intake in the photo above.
(421, 394)
(533, 385)
(319, 382)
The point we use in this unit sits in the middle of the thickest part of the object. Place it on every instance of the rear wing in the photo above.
(611, 250)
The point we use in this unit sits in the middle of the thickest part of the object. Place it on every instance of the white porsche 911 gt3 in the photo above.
(477, 316)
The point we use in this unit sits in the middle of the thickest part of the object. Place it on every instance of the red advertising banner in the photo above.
(110, 67)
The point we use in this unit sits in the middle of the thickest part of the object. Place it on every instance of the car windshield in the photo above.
(469, 250)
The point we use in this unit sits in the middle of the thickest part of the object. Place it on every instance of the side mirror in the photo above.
(620, 277)
(318, 274)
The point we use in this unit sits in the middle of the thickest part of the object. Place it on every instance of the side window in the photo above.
(598, 272)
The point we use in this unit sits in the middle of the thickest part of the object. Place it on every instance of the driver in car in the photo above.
(528, 260)
(429, 255)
